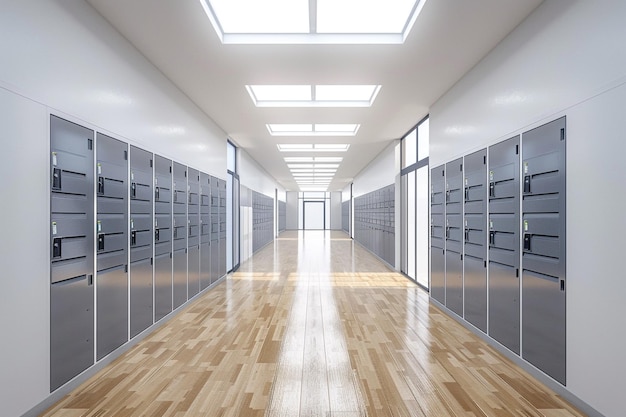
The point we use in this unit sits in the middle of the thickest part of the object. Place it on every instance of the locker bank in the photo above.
(171, 176)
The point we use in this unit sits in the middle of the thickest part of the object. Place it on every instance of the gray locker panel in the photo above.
(205, 265)
(139, 254)
(454, 282)
(112, 310)
(475, 285)
(543, 328)
(437, 275)
(162, 184)
(71, 329)
(111, 260)
(194, 270)
(140, 221)
(71, 268)
(222, 260)
(215, 258)
(504, 305)
(141, 303)
(180, 278)
(162, 285)
(543, 255)
(141, 206)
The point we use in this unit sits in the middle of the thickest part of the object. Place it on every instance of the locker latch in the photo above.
(175, 232)
(466, 193)
(56, 178)
(447, 196)
(467, 234)
(133, 190)
(156, 234)
(527, 237)
(527, 183)
(156, 193)
(133, 238)
(492, 238)
(56, 247)
(100, 185)
(492, 189)
(175, 196)
(100, 241)
(447, 232)
(189, 231)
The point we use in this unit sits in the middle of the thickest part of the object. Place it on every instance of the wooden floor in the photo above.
(312, 326)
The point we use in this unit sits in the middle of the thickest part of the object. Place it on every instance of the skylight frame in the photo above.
(299, 129)
(309, 147)
(305, 95)
(312, 37)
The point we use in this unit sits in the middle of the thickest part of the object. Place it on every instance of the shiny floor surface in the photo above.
(313, 325)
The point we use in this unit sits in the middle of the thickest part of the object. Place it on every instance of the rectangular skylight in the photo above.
(324, 166)
(313, 159)
(331, 22)
(298, 147)
(313, 96)
(313, 130)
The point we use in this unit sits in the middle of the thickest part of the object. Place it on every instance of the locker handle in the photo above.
(133, 238)
(156, 193)
(190, 234)
(448, 232)
(175, 232)
(492, 238)
(56, 247)
(467, 234)
(56, 178)
(133, 190)
(492, 189)
(89, 280)
(527, 237)
(175, 196)
(447, 196)
(100, 185)
(100, 241)
(527, 183)
(466, 193)
(562, 285)
(156, 234)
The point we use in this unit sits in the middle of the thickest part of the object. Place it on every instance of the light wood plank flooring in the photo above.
(312, 326)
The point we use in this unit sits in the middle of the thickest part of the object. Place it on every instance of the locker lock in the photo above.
(447, 196)
(527, 237)
(133, 190)
(156, 193)
(175, 196)
(466, 193)
(156, 234)
(492, 189)
(447, 232)
(492, 238)
(100, 241)
(101, 185)
(133, 238)
(56, 178)
(527, 183)
(467, 231)
(175, 232)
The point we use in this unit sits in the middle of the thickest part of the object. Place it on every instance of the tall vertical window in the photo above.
(232, 208)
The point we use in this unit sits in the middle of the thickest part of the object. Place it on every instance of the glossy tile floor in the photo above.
(312, 326)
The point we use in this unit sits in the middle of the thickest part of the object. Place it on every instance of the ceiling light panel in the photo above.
(345, 129)
(297, 147)
(346, 93)
(261, 16)
(313, 96)
(358, 16)
(280, 93)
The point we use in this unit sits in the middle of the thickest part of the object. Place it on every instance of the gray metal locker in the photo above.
(475, 237)
(504, 289)
(543, 254)
(215, 227)
(205, 231)
(454, 236)
(222, 228)
(71, 253)
(141, 240)
(180, 226)
(162, 237)
(193, 243)
(437, 234)
(112, 244)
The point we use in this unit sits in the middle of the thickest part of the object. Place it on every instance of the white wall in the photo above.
(378, 173)
(568, 59)
(61, 57)
(254, 177)
(335, 210)
(292, 210)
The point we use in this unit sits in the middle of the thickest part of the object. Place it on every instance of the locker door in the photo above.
(475, 237)
(141, 240)
(193, 243)
(222, 229)
(71, 252)
(205, 231)
(437, 234)
(543, 255)
(162, 237)
(504, 307)
(215, 227)
(180, 226)
(454, 236)
(112, 244)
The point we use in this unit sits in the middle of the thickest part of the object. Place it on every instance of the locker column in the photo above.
(112, 244)
(475, 237)
(454, 236)
(141, 240)
(180, 226)
(205, 231)
(193, 243)
(222, 227)
(543, 255)
(162, 237)
(504, 289)
(71, 254)
(215, 227)
(438, 234)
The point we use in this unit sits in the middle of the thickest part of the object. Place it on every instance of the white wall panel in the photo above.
(335, 210)
(256, 178)
(568, 59)
(378, 173)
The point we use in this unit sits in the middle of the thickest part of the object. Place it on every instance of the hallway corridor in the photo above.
(312, 325)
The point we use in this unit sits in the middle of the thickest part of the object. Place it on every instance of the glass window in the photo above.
(423, 135)
(411, 225)
(409, 149)
(231, 157)
(422, 222)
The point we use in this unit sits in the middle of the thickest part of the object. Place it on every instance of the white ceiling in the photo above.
(448, 39)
